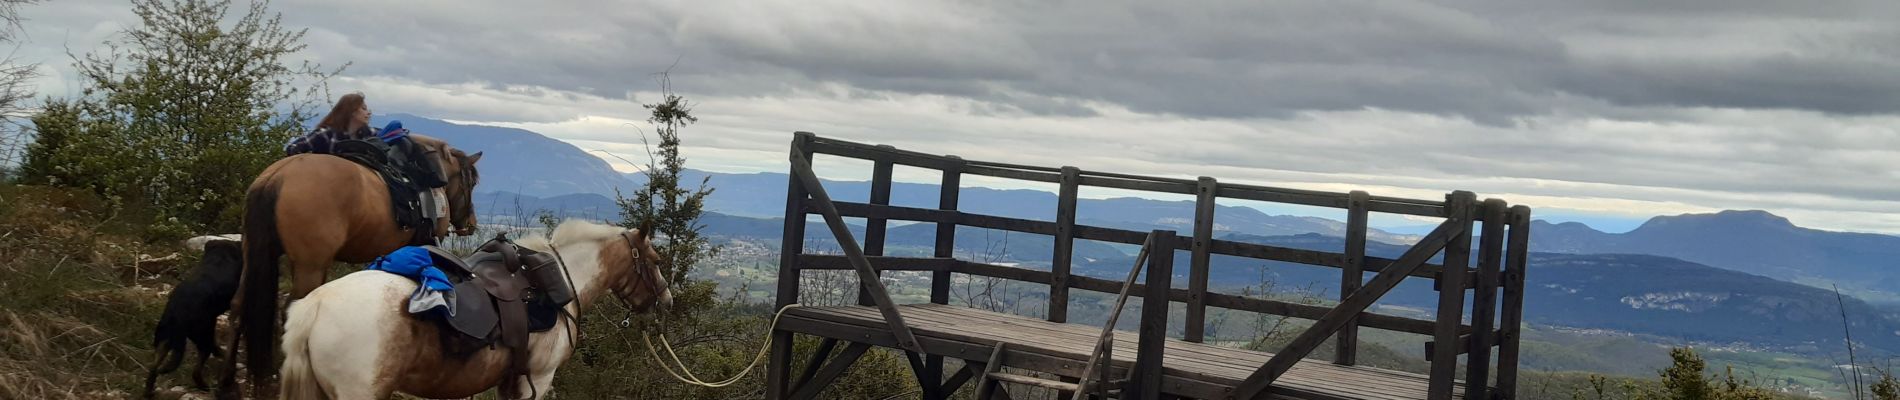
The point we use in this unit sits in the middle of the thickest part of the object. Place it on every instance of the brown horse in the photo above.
(318, 209)
(353, 339)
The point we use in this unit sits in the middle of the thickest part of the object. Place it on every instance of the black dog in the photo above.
(191, 314)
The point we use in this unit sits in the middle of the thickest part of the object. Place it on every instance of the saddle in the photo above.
(399, 163)
(503, 292)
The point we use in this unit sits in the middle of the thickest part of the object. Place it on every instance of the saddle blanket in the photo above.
(415, 263)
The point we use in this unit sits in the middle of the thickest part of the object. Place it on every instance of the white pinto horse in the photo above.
(352, 338)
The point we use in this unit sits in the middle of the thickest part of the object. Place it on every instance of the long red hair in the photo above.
(343, 116)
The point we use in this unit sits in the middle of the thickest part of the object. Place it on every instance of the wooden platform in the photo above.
(1483, 248)
(1191, 369)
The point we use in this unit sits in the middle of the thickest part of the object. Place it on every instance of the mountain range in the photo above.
(1645, 294)
(1754, 242)
(522, 161)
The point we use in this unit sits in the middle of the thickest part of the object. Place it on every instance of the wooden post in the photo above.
(867, 277)
(1065, 245)
(1484, 301)
(1352, 275)
(779, 368)
(1516, 260)
(956, 381)
(1104, 349)
(1196, 325)
(1451, 298)
(831, 371)
(1256, 385)
(817, 360)
(948, 190)
(1150, 347)
(946, 231)
(874, 228)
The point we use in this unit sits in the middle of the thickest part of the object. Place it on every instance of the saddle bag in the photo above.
(547, 276)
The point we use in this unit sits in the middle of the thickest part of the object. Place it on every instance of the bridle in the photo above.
(633, 250)
(467, 174)
(641, 279)
(574, 322)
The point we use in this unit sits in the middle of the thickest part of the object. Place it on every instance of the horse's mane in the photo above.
(428, 140)
(435, 143)
(570, 232)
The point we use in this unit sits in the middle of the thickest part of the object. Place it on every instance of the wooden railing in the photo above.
(1499, 266)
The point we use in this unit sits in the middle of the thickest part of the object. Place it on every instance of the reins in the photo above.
(676, 368)
(694, 380)
(574, 330)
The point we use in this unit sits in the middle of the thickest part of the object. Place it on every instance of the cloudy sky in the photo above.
(1608, 111)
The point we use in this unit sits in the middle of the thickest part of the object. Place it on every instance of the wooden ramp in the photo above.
(1191, 369)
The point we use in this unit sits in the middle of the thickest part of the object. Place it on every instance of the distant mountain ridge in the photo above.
(522, 161)
(525, 162)
(506, 207)
(762, 194)
(1642, 294)
(1676, 298)
(1755, 242)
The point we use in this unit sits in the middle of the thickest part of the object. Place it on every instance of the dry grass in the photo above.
(78, 309)
(76, 318)
(40, 355)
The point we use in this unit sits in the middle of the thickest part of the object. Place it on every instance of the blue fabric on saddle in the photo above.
(393, 132)
(413, 262)
(416, 263)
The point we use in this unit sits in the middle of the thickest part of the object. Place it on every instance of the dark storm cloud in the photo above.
(1488, 61)
(1663, 106)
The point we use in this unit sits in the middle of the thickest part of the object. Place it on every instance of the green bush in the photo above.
(179, 113)
(1887, 388)
(1684, 379)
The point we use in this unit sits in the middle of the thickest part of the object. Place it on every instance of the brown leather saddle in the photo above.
(499, 290)
(404, 184)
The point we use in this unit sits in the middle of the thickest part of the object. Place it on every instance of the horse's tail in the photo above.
(258, 319)
(299, 380)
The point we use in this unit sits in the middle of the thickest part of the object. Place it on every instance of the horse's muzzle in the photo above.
(664, 302)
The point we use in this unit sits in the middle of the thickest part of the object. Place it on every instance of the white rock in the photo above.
(198, 243)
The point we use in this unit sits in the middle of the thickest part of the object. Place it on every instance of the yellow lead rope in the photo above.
(694, 380)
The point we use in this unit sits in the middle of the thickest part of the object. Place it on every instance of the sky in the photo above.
(1602, 111)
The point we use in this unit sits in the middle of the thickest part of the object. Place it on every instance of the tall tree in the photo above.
(180, 111)
(671, 205)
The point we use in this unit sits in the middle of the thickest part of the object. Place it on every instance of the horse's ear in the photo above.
(474, 157)
(646, 230)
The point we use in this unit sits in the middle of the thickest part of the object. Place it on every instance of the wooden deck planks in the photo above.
(1202, 362)
(1192, 367)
